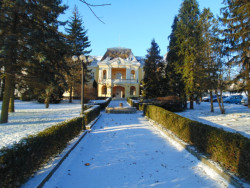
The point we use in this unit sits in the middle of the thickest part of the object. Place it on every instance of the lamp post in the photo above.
(84, 60)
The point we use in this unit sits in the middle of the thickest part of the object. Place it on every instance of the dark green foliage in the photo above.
(189, 41)
(78, 39)
(171, 103)
(175, 84)
(29, 40)
(153, 72)
(30, 153)
(79, 43)
(20, 161)
(91, 114)
(103, 105)
(231, 150)
(236, 16)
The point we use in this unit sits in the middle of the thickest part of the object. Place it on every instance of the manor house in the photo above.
(118, 73)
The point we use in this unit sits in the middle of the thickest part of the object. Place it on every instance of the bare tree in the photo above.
(90, 6)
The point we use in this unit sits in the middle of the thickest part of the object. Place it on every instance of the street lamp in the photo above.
(84, 60)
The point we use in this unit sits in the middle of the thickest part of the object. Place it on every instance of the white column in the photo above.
(109, 73)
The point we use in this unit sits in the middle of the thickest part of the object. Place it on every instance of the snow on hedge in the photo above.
(31, 117)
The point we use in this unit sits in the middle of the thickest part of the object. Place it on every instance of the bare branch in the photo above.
(91, 5)
(94, 5)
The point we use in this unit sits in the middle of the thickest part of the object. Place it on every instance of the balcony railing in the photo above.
(117, 81)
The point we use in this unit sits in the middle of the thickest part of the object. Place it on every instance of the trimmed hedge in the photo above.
(102, 105)
(91, 113)
(231, 150)
(23, 159)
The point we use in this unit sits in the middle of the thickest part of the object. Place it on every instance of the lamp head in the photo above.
(82, 58)
(74, 58)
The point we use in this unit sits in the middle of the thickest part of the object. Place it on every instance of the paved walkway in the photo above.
(125, 150)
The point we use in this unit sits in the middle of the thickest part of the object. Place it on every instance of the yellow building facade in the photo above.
(118, 73)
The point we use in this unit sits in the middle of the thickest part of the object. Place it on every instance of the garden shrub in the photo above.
(231, 150)
(91, 113)
(171, 103)
(23, 159)
(101, 104)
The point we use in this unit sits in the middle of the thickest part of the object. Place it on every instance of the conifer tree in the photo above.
(208, 57)
(79, 43)
(236, 16)
(174, 80)
(29, 36)
(189, 37)
(152, 68)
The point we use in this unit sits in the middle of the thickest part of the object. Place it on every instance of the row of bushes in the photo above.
(20, 161)
(231, 150)
(91, 113)
(171, 103)
(102, 104)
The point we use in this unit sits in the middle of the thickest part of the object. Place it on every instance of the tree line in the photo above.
(35, 58)
(201, 50)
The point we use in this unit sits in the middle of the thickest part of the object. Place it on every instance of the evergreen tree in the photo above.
(189, 37)
(28, 37)
(174, 80)
(211, 53)
(236, 16)
(79, 43)
(152, 68)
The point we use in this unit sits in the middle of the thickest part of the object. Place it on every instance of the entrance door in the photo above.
(118, 93)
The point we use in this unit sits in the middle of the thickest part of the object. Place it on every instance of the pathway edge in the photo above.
(91, 124)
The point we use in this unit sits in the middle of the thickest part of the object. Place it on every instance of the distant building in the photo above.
(118, 73)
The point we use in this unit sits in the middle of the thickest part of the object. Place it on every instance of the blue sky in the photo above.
(131, 23)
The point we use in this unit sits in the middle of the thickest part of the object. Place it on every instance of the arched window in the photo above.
(132, 90)
(104, 74)
(132, 75)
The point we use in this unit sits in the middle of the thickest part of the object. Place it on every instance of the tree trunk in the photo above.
(2, 88)
(6, 98)
(12, 99)
(219, 102)
(47, 102)
(70, 93)
(248, 83)
(191, 102)
(211, 101)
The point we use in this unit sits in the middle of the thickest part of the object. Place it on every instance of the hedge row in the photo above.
(91, 113)
(20, 161)
(135, 103)
(231, 150)
(102, 105)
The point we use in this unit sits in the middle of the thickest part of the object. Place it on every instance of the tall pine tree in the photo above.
(174, 80)
(189, 37)
(28, 36)
(79, 43)
(152, 68)
(236, 16)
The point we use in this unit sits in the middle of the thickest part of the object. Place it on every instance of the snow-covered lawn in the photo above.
(32, 117)
(236, 119)
(125, 150)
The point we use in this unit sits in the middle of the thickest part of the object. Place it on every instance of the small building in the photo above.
(118, 73)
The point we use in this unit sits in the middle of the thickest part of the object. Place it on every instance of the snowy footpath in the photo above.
(125, 150)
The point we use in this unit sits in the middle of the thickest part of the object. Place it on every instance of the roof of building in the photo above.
(112, 53)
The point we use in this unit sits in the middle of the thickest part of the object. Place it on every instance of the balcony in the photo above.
(117, 81)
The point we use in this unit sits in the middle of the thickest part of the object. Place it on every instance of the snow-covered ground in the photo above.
(32, 117)
(236, 119)
(125, 150)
